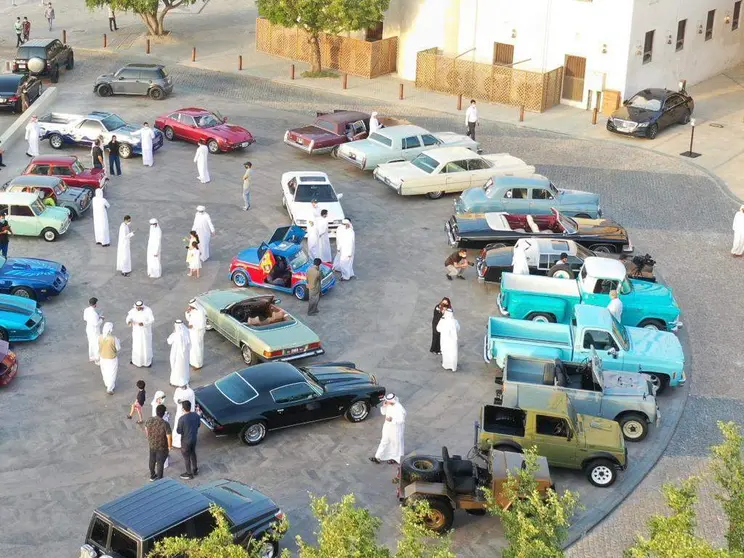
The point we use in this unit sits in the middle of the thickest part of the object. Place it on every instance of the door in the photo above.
(40, 170)
(541, 201)
(515, 200)
(574, 70)
(551, 438)
(124, 82)
(605, 346)
(88, 131)
(673, 110)
(411, 146)
(141, 83)
(23, 221)
(503, 54)
(295, 403)
(228, 327)
(457, 177)
(187, 128)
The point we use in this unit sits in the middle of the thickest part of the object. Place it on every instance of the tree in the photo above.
(323, 16)
(535, 525)
(417, 540)
(149, 10)
(728, 472)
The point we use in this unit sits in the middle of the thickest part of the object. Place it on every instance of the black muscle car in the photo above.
(651, 110)
(471, 230)
(274, 395)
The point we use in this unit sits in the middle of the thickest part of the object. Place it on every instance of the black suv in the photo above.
(43, 57)
(129, 526)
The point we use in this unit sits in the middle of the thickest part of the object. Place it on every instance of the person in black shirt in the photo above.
(188, 426)
(5, 232)
(97, 154)
(114, 161)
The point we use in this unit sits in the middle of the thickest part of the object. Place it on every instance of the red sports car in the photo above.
(194, 124)
(8, 364)
(69, 169)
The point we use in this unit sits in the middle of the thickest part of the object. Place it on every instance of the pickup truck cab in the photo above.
(657, 354)
(626, 398)
(549, 299)
(566, 438)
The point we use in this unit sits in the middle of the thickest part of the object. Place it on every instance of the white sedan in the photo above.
(448, 169)
(301, 188)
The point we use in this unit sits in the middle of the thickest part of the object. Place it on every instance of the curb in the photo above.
(40, 105)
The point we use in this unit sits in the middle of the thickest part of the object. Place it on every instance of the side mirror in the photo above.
(625, 102)
(121, 77)
(612, 352)
(339, 196)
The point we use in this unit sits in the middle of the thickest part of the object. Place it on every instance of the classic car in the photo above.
(68, 168)
(43, 57)
(650, 110)
(28, 216)
(626, 398)
(300, 189)
(11, 86)
(551, 299)
(151, 80)
(657, 354)
(193, 124)
(258, 326)
(532, 195)
(274, 395)
(399, 143)
(444, 170)
(76, 200)
(477, 229)
(329, 131)
(8, 364)
(549, 422)
(32, 277)
(21, 319)
(279, 263)
(78, 129)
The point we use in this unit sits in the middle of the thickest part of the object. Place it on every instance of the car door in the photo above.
(174, 121)
(456, 176)
(188, 128)
(295, 403)
(229, 327)
(410, 147)
(541, 201)
(604, 345)
(552, 439)
(670, 111)
(125, 81)
(88, 131)
(23, 221)
(515, 200)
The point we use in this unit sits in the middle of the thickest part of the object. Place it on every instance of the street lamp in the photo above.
(690, 153)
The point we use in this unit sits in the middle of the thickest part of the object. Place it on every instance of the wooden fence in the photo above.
(352, 56)
(537, 91)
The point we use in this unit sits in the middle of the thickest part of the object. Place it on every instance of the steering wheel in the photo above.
(558, 429)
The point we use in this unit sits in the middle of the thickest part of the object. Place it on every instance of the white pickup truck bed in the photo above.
(60, 118)
(538, 284)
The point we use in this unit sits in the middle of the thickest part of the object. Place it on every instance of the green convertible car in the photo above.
(258, 327)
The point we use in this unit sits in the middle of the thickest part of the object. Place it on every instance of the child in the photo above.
(193, 258)
(139, 401)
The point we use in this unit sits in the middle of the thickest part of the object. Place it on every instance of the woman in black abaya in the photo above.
(439, 309)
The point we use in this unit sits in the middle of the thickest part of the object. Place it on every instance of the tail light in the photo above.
(312, 346)
(272, 354)
(280, 515)
(14, 98)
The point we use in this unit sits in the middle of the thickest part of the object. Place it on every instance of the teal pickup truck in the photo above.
(658, 354)
(548, 299)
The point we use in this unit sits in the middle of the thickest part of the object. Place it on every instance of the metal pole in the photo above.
(459, 102)
(193, 54)
(521, 113)
(692, 136)
(147, 47)
(105, 41)
(240, 62)
(292, 71)
(64, 36)
(344, 81)
(400, 92)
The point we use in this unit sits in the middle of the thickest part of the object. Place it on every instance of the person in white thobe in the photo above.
(205, 229)
(345, 246)
(313, 240)
(520, 266)
(32, 137)
(179, 354)
(738, 248)
(374, 124)
(146, 136)
(615, 306)
(202, 165)
(448, 327)
(154, 243)
(197, 320)
(140, 319)
(109, 346)
(182, 393)
(324, 240)
(123, 248)
(393, 430)
(100, 219)
(92, 328)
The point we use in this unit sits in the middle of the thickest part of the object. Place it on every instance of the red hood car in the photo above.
(8, 364)
(329, 131)
(194, 124)
(68, 168)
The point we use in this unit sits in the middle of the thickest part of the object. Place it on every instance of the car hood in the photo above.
(602, 434)
(577, 197)
(625, 384)
(304, 211)
(606, 228)
(30, 268)
(21, 307)
(634, 114)
(658, 350)
(403, 170)
(105, 78)
(230, 132)
(655, 293)
(56, 213)
(286, 335)
(340, 378)
(312, 132)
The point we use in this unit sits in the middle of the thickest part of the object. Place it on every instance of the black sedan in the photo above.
(11, 86)
(650, 110)
(274, 395)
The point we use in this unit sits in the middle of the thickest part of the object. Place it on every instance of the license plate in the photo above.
(244, 144)
(299, 140)
(295, 350)
(624, 130)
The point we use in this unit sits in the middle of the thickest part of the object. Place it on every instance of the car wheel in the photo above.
(300, 292)
(653, 131)
(268, 549)
(56, 141)
(249, 357)
(654, 325)
(685, 118)
(601, 473)
(24, 292)
(542, 318)
(253, 433)
(659, 381)
(73, 215)
(125, 150)
(209, 326)
(434, 195)
(562, 274)
(4, 334)
(602, 249)
(634, 427)
(157, 94)
(240, 279)
(358, 411)
(440, 516)
(54, 75)
(334, 152)
(213, 146)
(70, 62)
(50, 235)
(422, 468)
(105, 91)
(169, 135)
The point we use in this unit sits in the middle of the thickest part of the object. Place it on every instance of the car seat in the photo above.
(458, 474)
(561, 377)
(533, 226)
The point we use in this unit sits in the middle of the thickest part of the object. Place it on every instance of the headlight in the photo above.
(643, 125)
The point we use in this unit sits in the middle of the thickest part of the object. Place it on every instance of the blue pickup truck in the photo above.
(658, 354)
(549, 299)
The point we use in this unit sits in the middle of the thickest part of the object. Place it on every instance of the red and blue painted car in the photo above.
(280, 264)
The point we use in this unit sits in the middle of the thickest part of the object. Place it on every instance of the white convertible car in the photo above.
(448, 169)
(301, 188)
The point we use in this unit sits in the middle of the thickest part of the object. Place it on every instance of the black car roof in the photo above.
(10, 82)
(155, 507)
(38, 42)
(270, 375)
(656, 93)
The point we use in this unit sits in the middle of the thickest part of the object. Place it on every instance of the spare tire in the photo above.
(425, 468)
(36, 65)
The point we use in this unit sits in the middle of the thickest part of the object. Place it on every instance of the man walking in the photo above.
(93, 323)
(97, 154)
(18, 26)
(188, 426)
(49, 15)
(313, 285)
(247, 186)
(159, 438)
(26, 29)
(112, 19)
(393, 430)
(5, 233)
(202, 164)
(456, 264)
(471, 119)
(114, 159)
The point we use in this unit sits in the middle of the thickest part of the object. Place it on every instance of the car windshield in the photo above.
(625, 287)
(112, 123)
(553, 189)
(382, 140)
(319, 192)
(31, 52)
(569, 224)
(37, 207)
(78, 167)
(620, 333)
(208, 121)
(236, 389)
(641, 102)
(425, 163)
(163, 73)
(298, 260)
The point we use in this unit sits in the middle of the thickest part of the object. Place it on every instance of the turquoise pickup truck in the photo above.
(548, 299)
(657, 354)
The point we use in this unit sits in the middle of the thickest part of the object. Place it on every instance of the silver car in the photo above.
(136, 79)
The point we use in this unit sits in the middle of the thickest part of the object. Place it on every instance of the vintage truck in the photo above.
(566, 438)
(658, 354)
(623, 397)
(549, 299)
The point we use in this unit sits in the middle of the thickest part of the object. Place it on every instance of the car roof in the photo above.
(270, 375)
(37, 42)
(18, 198)
(155, 507)
(552, 245)
(194, 110)
(442, 154)
(51, 159)
(240, 502)
(593, 316)
(605, 268)
(657, 92)
(528, 181)
(344, 116)
(11, 79)
(143, 66)
(401, 131)
(35, 180)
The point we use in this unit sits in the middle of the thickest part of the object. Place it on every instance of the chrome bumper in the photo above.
(503, 310)
(450, 235)
(297, 356)
(356, 162)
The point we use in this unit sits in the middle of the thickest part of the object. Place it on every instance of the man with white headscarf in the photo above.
(140, 319)
(92, 329)
(146, 136)
(737, 250)
(374, 124)
(100, 219)
(345, 246)
(448, 327)
(520, 266)
(32, 137)
(313, 240)
(324, 240)
(154, 243)
(183, 393)
(202, 165)
(393, 430)
(197, 320)
(205, 229)
(123, 248)
(179, 354)
(109, 347)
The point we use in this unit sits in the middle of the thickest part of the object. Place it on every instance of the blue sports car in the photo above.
(20, 319)
(32, 278)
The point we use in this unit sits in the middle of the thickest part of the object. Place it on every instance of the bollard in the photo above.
(64, 36)
(147, 47)
(7, 65)
(240, 62)
(521, 113)
(459, 102)
(598, 102)
(193, 54)
(105, 41)
(594, 116)
(400, 92)
(345, 81)
(291, 72)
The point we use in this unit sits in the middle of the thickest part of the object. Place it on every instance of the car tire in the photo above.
(634, 427)
(24, 292)
(169, 134)
(73, 215)
(56, 141)
(562, 274)
(213, 146)
(157, 94)
(601, 473)
(652, 324)
(434, 195)
(602, 248)
(249, 356)
(653, 131)
(334, 152)
(253, 433)
(49, 234)
(125, 150)
(300, 292)
(240, 278)
(507, 448)
(70, 62)
(104, 90)
(685, 118)
(4, 334)
(54, 74)
(542, 317)
(423, 468)
(659, 381)
(441, 514)
(358, 411)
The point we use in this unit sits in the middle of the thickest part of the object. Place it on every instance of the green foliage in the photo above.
(149, 10)
(728, 472)
(417, 541)
(535, 526)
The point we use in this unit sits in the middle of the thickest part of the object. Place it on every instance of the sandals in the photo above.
(374, 460)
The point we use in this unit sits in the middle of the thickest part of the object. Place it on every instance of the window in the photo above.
(429, 140)
(112, 123)
(62, 171)
(455, 166)
(648, 46)
(174, 116)
(293, 393)
(175, 531)
(187, 120)
(516, 194)
(604, 286)
(236, 388)
(737, 15)
(91, 128)
(551, 426)
(411, 142)
(541, 194)
(21, 211)
(203, 524)
(326, 125)
(323, 193)
(99, 532)
(77, 167)
(681, 26)
(127, 74)
(292, 185)
(709, 25)
(122, 544)
(379, 138)
(209, 121)
(478, 164)
(41, 170)
(673, 102)
(425, 163)
(600, 340)
(357, 127)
